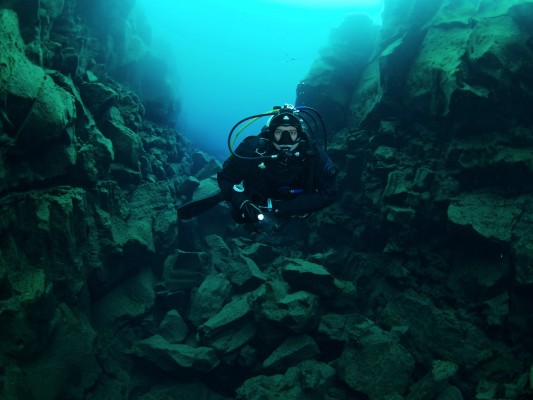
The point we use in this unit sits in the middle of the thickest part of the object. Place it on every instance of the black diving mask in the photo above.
(286, 137)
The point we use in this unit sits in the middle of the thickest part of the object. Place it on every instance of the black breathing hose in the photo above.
(230, 145)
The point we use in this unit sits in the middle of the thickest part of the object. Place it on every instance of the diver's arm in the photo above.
(230, 175)
(234, 169)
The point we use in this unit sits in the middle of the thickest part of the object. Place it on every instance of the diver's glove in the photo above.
(238, 199)
(249, 211)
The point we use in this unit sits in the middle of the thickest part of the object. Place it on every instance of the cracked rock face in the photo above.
(415, 284)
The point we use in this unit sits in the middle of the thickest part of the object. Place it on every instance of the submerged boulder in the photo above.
(374, 362)
(308, 380)
(176, 357)
(293, 350)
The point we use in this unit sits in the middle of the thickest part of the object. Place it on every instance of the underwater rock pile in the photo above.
(416, 284)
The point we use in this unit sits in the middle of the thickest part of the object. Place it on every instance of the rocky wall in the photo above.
(416, 284)
(88, 187)
(435, 159)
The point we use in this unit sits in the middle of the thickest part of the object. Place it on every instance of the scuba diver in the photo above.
(280, 173)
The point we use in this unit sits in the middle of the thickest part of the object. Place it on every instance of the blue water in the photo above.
(238, 58)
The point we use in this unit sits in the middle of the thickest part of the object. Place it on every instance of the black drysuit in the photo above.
(298, 184)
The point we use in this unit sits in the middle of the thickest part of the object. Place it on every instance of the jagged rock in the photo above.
(66, 366)
(522, 245)
(173, 328)
(374, 362)
(37, 103)
(297, 312)
(188, 186)
(231, 329)
(158, 93)
(309, 380)
(428, 98)
(329, 84)
(203, 166)
(232, 313)
(182, 391)
(122, 33)
(199, 160)
(125, 175)
(28, 317)
(486, 279)
(291, 351)
(98, 97)
(96, 150)
(488, 55)
(398, 188)
(344, 297)
(219, 250)
(136, 235)
(366, 96)
(336, 327)
(130, 108)
(185, 269)
(129, 231)
(520, 386)
(165, 232)
(247, 357)
(444, 187)
(306, 275)
(259, 252)
(440, 329)
(477, 165)
(497, 309)
(386, 158)
(176, 357)
(467, 44)
(244, 273)
(312, 277)
(132, 299)
(126, 144)
(450, 393)
(38, 118)
(435, 382)
(388, 135)
(209, 298)
(487, 389)
(423, 179)
(147, 169)
(402, 216)
(54, 234)
(241, 271)
(229, 343)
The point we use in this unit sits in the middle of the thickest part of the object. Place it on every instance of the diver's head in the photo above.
(285, 128)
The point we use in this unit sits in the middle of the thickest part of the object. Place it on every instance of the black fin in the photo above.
(195, 207)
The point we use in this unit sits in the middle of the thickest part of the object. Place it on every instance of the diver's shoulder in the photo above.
(248, 146)
(251, 140)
